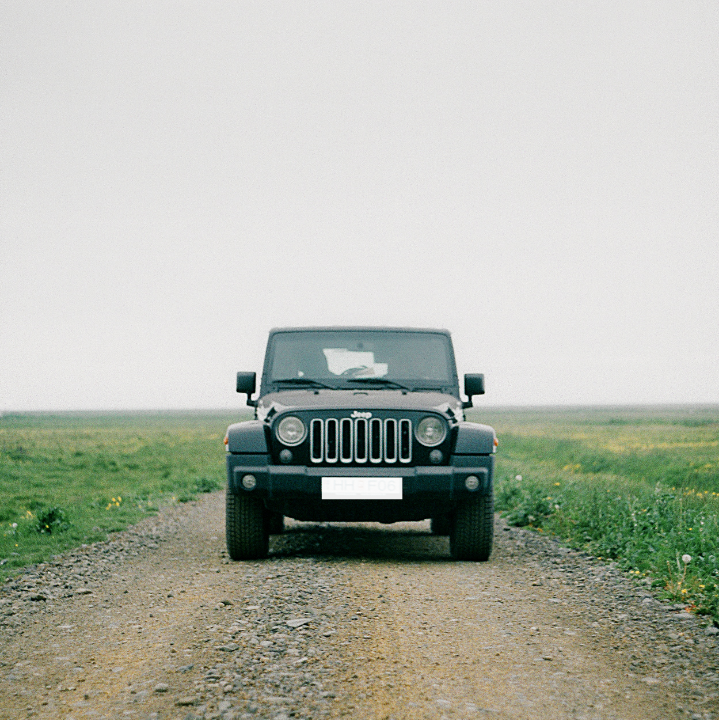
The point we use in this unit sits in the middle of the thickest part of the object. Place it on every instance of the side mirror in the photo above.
(473, 385)
(246, 383)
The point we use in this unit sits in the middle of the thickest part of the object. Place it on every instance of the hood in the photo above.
(359, 399)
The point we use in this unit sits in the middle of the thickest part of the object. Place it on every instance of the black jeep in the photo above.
(360, 424)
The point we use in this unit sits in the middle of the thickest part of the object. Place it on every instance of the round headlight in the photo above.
(291, 430)
(431, 431)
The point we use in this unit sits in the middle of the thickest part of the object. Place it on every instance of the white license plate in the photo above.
(361, 488)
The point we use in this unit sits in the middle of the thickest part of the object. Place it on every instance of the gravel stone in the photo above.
(298, 622)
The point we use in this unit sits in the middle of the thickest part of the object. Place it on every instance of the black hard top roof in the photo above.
(359, 328)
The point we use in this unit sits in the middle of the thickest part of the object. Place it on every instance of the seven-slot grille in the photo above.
(360, 440)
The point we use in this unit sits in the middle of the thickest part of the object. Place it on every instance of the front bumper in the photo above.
(296, 491)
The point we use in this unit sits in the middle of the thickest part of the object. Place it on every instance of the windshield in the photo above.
(336, 357)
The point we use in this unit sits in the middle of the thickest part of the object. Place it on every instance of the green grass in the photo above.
(69, 479)
(639, 486)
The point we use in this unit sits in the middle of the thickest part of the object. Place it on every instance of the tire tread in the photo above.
(472, 532)
(245, 527)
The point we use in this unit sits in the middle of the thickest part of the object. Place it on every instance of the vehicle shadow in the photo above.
(399, 541)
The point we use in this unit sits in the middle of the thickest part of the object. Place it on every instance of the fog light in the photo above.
(435, 457)
(472, 482)
(249, 482)
(286, 456)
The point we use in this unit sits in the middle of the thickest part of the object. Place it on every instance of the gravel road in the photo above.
(362, 621)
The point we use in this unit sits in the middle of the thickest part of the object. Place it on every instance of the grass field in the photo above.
(69, 479)
(639, 486)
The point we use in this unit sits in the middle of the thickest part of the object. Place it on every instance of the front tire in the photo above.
(472, 532)
(245, 527)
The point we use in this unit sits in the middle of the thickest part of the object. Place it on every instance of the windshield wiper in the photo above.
(380, 381)
(304, 381)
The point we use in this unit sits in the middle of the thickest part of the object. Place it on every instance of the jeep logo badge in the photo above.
(358, 414)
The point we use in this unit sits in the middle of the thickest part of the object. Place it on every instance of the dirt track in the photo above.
(359, 622)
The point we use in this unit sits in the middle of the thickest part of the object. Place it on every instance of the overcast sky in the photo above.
(176, 178)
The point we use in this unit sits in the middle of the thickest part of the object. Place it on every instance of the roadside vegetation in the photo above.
(69, 479)
(639, 487)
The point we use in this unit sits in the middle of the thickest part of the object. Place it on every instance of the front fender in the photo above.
(247, 437)
(475, 439)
